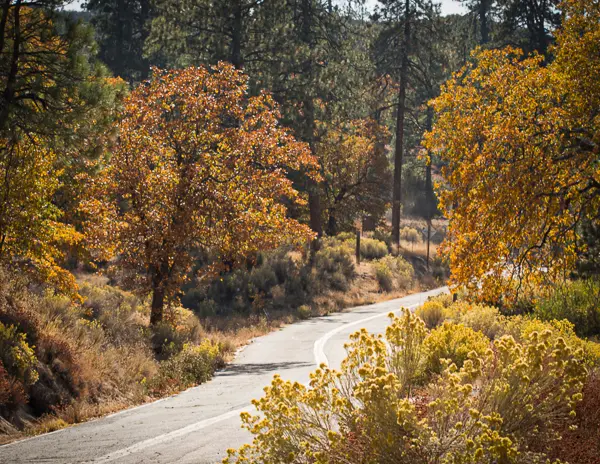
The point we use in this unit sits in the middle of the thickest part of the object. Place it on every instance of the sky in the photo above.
(448, 6)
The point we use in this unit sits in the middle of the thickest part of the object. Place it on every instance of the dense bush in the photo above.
(576, 301)
(432, 313)
(282, 280)
(194, 364)
(372, 249)
(508, 405)
(454, 342)
(394, 273)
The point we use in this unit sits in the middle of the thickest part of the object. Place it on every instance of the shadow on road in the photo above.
(258, 369)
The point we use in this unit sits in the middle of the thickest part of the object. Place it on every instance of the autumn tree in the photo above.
(55, 101)
(199, 166)
(356, 173)
(521, 142)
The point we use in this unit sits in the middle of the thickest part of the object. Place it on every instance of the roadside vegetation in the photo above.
(177, 178)
(445, 394)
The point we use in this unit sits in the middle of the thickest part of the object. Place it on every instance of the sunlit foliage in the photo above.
(198, 166)
(503, 406)
(521, 145)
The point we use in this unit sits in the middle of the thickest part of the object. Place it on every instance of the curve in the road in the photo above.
(197, 426)
(319, 346)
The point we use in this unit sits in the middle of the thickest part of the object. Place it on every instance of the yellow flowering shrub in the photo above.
(501, 406)
(17, 356)
(454, 342)
(432, 313)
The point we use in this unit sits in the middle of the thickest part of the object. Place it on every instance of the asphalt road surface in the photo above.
(198, 425)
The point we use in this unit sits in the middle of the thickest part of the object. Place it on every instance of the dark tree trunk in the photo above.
(484, 6)
(159, 280)
(331, 225)
(236, 35)
(399, 149)
(9, 90)
(314, 189)
(145, 11)
(158, 304)
(429, 198)
(357, 246)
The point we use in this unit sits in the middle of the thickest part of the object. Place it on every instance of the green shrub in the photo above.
(453, 342)
(262, 279)
(508, 405)
(484, 319)
(432, 313)
(334, 267)
(394, 273)
(372, 249)
(384, 276)
(17, 357)
(577, 302)
(195, 364)
(304, 312)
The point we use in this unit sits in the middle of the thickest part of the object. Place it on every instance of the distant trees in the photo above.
(521, 142)
(122, 27)
(198, 166)
(356, 176)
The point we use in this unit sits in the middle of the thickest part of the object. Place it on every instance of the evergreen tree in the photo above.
(122, 28)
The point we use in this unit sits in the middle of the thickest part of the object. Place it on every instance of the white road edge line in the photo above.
(167, 437)
(319, 355)
(319, 346)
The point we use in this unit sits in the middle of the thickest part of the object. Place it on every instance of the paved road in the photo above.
(198, 425)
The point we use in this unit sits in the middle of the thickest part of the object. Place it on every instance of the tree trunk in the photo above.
(429, 199)
(145, 31)
(236, 35)
(314, 189)
(331, 225)
(158, 304)
(399, 149)
(357, 246)
(9, 91)
(159, 279)
(484, 6)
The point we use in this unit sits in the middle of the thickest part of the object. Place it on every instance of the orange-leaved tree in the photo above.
(199, 166)
(521, 145)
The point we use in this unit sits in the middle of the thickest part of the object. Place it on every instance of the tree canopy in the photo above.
(199, 166)
(520, 140)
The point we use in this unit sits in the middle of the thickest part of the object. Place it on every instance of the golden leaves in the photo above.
(511, 133)
(199, 165)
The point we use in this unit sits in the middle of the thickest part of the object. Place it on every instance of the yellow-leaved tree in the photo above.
(55, 102)
(199, 166)
(520, 141)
